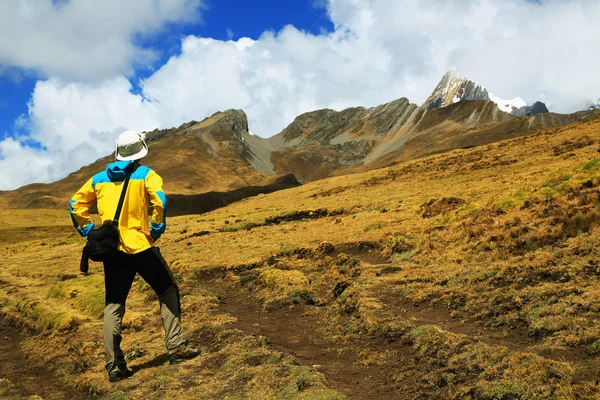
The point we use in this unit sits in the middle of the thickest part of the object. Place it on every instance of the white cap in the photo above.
(131, 145)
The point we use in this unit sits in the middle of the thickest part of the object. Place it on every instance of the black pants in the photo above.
(150, 264)
(118, 278)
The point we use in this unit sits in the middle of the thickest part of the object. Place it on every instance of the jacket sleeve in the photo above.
(158, 200)
(80, 206)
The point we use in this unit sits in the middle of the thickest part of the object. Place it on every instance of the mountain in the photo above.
(325, 142)
(536, 108)
(467, 275)
(454, 88)
(218, 155)
(595, 105)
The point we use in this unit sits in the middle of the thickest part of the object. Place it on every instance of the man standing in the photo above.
(136, 250)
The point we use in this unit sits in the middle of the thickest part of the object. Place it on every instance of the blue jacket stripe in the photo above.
(158, 229)
(103, 177)
(100, 177)
(141, 173)
(82, 231)
(163, 198)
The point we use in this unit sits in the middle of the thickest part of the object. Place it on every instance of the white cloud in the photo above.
(74, 124)
(84, 39)
(380, 50)
(66, 114)
(79, 122)
(21, 164)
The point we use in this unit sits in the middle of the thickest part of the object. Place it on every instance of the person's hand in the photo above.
(147, 234)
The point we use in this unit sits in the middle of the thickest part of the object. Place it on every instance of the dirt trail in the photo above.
(22, 378)
(298, 331)
(372, 368)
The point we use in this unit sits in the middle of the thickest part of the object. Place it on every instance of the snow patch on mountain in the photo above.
(508, 105)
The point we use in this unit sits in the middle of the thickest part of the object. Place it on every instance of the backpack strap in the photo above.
(123, 193)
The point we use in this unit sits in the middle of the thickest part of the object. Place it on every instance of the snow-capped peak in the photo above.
(454, 88)
(508, 105)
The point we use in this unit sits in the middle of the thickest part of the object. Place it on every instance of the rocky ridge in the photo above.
(454, 88)
(327, 142)
(536, 108)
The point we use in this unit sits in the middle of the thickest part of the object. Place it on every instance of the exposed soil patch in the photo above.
(195, 234)
(21, 378)
(435, 207)
(571, 145)
(325, 193)
(350, 368)
(302, 215)
(369, 252)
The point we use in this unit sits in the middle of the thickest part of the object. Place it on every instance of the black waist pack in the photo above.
(102, 243)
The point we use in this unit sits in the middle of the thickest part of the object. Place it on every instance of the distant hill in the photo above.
(325, 142)
(212, 155)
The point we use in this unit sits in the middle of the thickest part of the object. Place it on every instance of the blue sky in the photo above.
(76, 73)
(221, 19)
(233, 19)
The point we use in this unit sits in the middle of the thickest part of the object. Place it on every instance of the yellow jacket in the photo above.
(104, 188)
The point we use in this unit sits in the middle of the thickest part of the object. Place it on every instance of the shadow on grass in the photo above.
(184, 204)
(155, 362)
(180, 204)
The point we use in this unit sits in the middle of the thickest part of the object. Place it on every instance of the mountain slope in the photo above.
(471, 124)
(536, 108)
(217, 154)
(325, 142)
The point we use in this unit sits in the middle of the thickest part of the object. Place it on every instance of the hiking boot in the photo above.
(119, 374)
(184, 353)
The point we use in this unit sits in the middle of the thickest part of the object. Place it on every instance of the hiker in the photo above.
(135, 250)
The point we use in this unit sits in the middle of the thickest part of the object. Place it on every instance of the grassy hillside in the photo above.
(468, 275)
(197, 157)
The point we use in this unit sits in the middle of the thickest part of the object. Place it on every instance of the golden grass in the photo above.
(495, 295)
